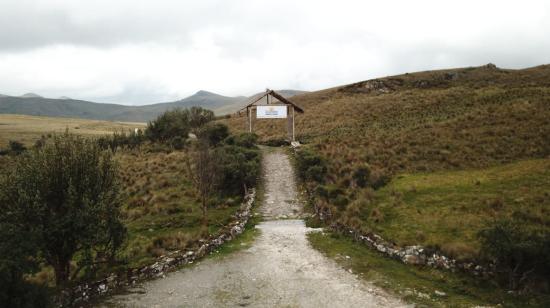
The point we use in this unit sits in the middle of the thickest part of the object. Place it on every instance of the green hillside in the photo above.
(431, 157)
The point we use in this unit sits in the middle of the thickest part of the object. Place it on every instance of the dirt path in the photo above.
(280, 269)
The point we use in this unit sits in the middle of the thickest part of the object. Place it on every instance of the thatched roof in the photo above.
(277, 96)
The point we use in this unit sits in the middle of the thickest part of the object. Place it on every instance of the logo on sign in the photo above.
(271, 112)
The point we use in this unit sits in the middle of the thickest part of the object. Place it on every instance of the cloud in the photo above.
(138, 52)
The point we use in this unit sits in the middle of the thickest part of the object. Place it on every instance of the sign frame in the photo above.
(272, 111)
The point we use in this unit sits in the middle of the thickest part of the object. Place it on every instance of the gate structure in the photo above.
(275, 106)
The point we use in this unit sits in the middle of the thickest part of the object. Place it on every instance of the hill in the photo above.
(32, 104)
(430, 157)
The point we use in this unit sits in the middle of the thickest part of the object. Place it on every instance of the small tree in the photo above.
(519, 253)
(202, 167)
(67, 195)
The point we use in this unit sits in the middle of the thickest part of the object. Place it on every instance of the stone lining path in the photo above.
(280, 269)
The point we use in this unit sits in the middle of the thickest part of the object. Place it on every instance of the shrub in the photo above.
(215, 133)
(178, 143)
(66, 196)
(240, 168)
(520, 254)
(168, 125)
(361, 175)
(246, 140)
(310, 166)
(16, 147)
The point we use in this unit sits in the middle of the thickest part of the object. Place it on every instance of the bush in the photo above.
(178, 143)
(178, 123)
(310, 166)
(16, 147)
(66, 196)
(245, 140)
(240, 168)
(215, 133)
(520, 255)
(361, 175)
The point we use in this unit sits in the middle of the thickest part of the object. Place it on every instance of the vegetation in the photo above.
(519, 252)
(427, 158)
(67, 195)
(203, 165)
(158, 204)
(415, 284)
(29, 129)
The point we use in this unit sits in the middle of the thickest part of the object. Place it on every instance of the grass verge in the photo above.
(414, 284)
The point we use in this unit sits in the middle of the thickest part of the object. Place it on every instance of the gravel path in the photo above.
(280, 269)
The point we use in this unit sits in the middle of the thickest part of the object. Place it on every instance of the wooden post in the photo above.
(288, 123)
(293, 136)
(250, 120)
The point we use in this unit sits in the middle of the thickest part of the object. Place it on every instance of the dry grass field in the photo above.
(28, 129)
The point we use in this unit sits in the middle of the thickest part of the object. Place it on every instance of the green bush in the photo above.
(16, 147)
(66, 198)
(177, 143)
(215, 133)
(178, 122)
(361, 175)
(239, 168)
(245, 140)
(310, 166)
(521, 255)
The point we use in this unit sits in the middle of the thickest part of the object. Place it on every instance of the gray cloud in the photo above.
(149, 51)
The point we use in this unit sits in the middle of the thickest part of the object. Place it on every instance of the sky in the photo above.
(139, 52)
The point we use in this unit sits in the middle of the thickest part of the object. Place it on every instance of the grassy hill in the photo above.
(32, 104)
(458, 147)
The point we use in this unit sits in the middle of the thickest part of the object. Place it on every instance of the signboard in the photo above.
(271, 112)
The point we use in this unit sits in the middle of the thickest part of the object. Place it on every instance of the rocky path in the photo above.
(280, 269)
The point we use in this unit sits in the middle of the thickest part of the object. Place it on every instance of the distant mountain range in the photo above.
(34, 104)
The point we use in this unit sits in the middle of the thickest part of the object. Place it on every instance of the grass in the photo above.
(414, 284)
(461, 148)
(446, 209)
(28, 129)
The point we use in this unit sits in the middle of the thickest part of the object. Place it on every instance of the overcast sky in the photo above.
(137, 52)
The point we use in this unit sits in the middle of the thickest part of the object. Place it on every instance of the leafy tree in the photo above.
(199, 117)
(18, 256)
(202, 166)
(168, 125)
(66, 194)
(178, 123)
(519, 253)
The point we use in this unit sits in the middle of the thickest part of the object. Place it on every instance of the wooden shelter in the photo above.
(272, 100)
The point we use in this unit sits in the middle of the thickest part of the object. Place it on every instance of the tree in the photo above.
(199, 117)
(519, 252)
(67, 195)
(202, 167)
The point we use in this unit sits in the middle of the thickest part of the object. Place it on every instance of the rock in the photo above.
(414, 259)
(440, 293)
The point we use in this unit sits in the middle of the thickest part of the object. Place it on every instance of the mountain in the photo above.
(31, 95)
(33, 104)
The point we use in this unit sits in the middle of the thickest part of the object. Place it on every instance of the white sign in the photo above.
(271, 112)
